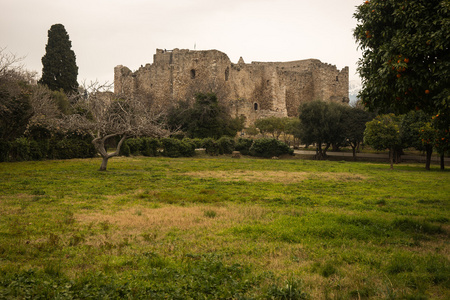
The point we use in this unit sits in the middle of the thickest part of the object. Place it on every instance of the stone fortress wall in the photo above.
(255, 90)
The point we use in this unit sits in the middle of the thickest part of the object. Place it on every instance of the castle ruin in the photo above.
(255, 90)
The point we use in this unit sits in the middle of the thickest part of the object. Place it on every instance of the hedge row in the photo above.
(24, 149)
(171, 147)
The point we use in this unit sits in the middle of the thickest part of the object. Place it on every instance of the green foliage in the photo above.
(211, 147)
(293, 127)
(198, 277)
(383, 132)
(73, 146)
(272, 125)
(57, 146)
(226, 145)
(321, 123)
(125, 149)
(176, 148)
(291, 290)
(135, 145)
(15, 108)
(150, 146)
(5, 148)
(252, 130)
(411, 125)
(243, 145)
(426, 135)
(20, 149)
(269, 148)
(406, 55)
(206, 118)
(353, 124)
(61, 101)
(197, 142)
(59, 70)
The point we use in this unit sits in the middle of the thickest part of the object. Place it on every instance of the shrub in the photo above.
(269, 148)
(135, 145)
(68, 148)
(20, 149)
(211, 147)
(197, 142)
(38, 150)
(5, 148)
(176, 148)
(226, 145)
(150, 146)
(243, 145)
(125, 149)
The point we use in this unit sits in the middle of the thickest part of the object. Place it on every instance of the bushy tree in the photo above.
(206, 118)
(382, 133)
(406, 55)
(59, 70)
(415, 129)
(293, 127)
(272, 125)
(320, 124)
(354, 122)
(15, 92)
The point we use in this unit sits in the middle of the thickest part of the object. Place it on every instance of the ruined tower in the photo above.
(255, 90)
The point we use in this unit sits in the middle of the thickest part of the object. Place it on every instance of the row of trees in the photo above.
(326, 124)
(414, 129)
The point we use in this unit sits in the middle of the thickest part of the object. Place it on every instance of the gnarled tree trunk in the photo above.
(99, 144)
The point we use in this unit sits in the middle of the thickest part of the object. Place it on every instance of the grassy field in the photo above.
(222, 228)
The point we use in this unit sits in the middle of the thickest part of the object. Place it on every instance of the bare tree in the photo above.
(105, 115)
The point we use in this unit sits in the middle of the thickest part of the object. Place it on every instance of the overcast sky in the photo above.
(106, 33)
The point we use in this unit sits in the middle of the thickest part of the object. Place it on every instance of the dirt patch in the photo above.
(274, 176)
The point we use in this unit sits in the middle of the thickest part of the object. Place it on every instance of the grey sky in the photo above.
(106, 33)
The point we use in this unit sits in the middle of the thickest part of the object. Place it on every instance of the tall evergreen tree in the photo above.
(59, 70)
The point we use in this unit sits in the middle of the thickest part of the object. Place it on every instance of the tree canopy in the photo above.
(205, 118)
(405, 62)
(321, 123)
(59, 70)
(383, 132)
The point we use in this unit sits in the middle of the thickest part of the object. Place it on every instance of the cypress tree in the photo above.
(59, 70)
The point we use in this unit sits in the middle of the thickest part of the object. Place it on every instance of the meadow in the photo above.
(223, 228)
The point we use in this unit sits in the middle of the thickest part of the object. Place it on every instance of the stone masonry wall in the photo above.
(255, 90)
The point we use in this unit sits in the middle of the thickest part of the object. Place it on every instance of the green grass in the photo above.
(222, 228)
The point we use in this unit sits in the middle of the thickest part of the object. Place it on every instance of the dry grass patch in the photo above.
(140, 220)
(274, 176)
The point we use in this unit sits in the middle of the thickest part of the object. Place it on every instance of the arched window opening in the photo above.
(192, 74)
(255, 106)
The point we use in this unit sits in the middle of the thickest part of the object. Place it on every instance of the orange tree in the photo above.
(382, 133)
(405, 62)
